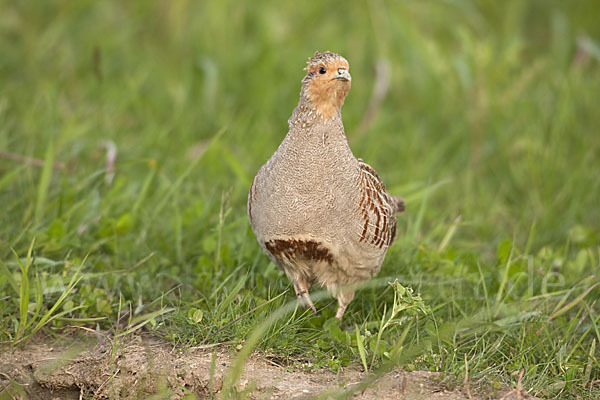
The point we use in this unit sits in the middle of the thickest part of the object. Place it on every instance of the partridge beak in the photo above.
(343, 75)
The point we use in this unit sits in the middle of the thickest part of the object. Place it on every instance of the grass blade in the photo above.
(138, 322)
(236, 289)
(361, 349)
(573, 303)
(24, 290)
(44, 183)
(49, 315)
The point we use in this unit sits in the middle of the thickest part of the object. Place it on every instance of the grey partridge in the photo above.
(322, 215)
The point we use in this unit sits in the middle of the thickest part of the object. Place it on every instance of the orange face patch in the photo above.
(328, 86)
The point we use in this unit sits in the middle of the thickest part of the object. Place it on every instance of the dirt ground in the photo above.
(136, 368)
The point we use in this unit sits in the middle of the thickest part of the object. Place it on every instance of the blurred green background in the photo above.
(489, 129)
(498, 100)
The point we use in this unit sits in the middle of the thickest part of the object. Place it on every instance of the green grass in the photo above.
(490, 131)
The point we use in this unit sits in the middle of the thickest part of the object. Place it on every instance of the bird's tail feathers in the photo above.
(399, 203)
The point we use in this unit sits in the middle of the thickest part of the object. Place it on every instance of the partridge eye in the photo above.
(322, 70)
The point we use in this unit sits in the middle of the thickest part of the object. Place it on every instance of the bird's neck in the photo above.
(306, 114)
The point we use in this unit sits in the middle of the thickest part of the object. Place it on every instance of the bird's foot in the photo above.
(344, 298)
(308, 302)
(302, 294)
(340, 311)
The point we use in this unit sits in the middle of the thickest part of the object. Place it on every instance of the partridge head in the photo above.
(327, 82)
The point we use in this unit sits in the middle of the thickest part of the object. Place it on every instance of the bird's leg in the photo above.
(301, 287)
(344, 298)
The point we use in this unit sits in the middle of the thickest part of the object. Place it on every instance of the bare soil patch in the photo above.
(139, 367)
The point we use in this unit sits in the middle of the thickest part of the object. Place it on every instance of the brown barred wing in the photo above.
(378, 209)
